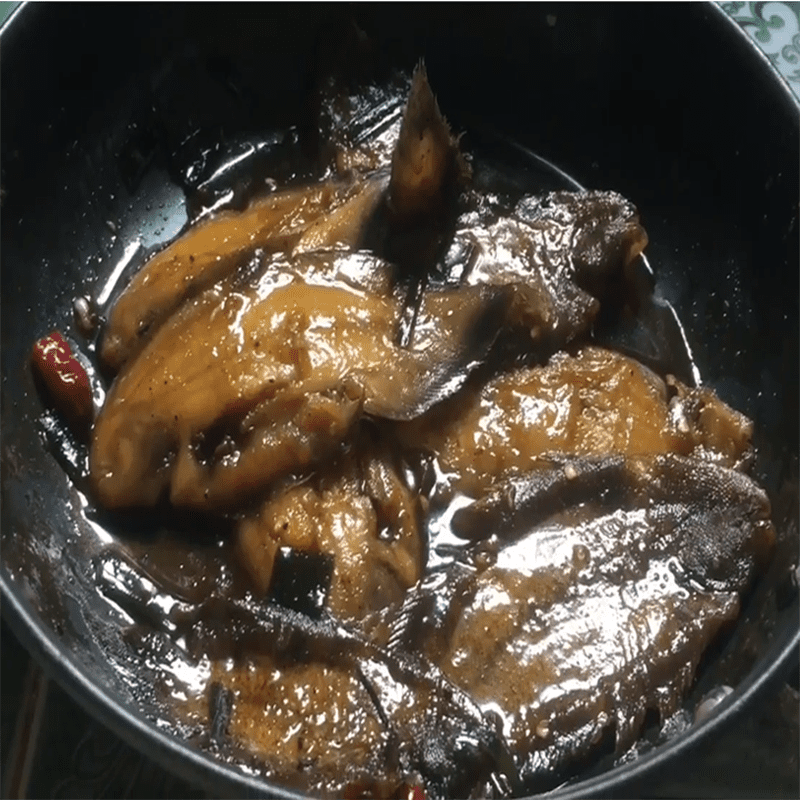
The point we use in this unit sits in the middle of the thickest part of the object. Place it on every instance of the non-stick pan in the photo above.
(670, 105)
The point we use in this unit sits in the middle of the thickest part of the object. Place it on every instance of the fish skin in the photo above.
(607, 580)
(570, 257)
(281, 364)
(594, 402)
(509, 665)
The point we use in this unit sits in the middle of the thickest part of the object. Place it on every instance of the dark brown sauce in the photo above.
(160, 568)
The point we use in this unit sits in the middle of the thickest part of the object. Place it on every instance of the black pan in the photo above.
(671, 105)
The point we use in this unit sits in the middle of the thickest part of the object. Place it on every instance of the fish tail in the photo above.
(427, 161)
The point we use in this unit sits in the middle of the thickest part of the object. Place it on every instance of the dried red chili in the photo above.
(64, 378)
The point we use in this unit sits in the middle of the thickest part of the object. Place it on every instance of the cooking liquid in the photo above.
(157, 569)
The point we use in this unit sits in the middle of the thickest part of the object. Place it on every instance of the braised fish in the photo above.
(585, 594)
(249, 382)
(565, 253)
(361, 513)
(596, 402)
(330, 214)
(594, 589)
(475, 548)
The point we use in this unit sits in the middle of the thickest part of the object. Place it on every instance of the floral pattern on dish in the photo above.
(775, 28)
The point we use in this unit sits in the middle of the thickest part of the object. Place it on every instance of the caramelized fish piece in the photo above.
(348, 713)
(206, 253)
(311, 725)
(564, 253)
(345, 226)
(425, 163)
(249, 382)
(718, 432)
(594, 403)
(593, 235)
(359, 511)
(603, 584)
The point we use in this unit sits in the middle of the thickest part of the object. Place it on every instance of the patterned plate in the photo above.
(775, 28)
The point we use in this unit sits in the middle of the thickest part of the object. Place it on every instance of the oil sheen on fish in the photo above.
(359, 511)
(596, 586)
(596, 402)
(247, 383)
(596, 523)
(330, 214)
(206, 253)
(599, 585)
(565, 253)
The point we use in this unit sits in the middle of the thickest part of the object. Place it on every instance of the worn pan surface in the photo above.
(670, 105)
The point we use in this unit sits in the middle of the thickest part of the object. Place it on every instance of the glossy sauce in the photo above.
(303, 699)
